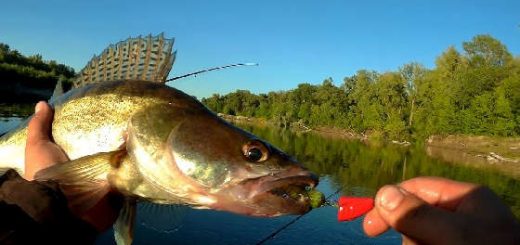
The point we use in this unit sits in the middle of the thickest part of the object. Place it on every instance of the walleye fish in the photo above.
(126, 131)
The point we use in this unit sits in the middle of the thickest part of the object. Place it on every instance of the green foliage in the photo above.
(484, 50)
(21, 76)
(473, 92)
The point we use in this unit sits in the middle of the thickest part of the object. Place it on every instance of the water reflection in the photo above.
(8, 123)
(16, 110)
(13, 114)
(361, 169)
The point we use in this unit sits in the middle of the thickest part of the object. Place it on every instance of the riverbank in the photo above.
(497, 153)
(16, 110)
(493, 149)
(329, 132)
(21, 91)
(29, 79)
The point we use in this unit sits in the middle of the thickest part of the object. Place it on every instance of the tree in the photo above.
(305, 96)
(484, 50)
(214, 102)
(449, 63)
(413, 74)
(511, 88)
(503, 123)
(512, 92)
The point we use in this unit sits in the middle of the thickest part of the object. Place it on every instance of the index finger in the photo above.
(437, 191)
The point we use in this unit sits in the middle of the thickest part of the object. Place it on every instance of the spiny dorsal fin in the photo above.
(58, 90)
(149, 59)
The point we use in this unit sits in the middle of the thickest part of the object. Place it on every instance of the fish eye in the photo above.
(255, 151)
(254, 154)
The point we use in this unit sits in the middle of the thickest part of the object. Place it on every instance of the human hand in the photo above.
(432, 210)
(41, 152)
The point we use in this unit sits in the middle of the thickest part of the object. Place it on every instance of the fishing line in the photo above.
(274, 233)
(211, 69)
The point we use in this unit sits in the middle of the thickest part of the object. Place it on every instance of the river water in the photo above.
(353, 168)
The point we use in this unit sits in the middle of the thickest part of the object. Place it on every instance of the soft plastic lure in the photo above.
(351, 208)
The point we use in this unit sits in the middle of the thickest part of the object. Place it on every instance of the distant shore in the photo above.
(500, 153)
(23, 92)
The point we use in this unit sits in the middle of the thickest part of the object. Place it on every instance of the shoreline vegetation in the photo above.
(474, 92)
(28, 79)
(489, 152)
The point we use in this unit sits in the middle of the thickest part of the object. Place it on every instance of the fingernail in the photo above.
(390, 197)
(39, 107)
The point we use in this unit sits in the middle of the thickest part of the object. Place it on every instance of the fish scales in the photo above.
(147, 141)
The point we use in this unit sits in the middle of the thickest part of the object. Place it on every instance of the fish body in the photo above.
(148, 141)
(177, 151)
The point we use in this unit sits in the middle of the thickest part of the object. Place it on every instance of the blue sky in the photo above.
(293, 41)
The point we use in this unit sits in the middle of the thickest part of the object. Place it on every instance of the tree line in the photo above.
(473, 91)
(27, 78)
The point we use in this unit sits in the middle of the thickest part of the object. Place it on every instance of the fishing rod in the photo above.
(283, 227)
(350, 208)
(211, 69)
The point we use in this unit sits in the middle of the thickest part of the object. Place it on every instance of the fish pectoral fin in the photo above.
(164, 218)
(84, 181)
(124, 226)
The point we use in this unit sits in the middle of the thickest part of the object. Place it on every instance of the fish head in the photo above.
(232, 170)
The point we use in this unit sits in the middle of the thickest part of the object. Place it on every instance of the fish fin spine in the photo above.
(141, 58)
(124, 225)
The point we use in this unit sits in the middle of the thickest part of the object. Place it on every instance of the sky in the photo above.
(292, 41)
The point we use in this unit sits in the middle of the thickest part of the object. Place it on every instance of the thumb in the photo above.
(416, 219)
(40, 125)
(40, 151)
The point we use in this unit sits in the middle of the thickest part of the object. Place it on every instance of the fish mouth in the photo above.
(286, 195)
(290, 187)
(271, 195)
